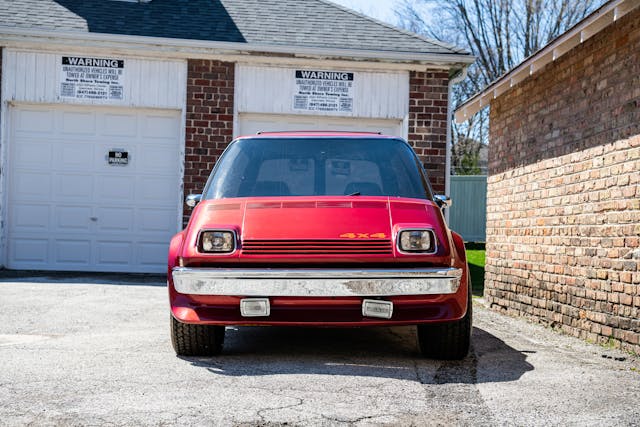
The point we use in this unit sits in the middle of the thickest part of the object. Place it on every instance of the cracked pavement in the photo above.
(86, 349)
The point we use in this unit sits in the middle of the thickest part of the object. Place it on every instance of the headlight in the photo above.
(422, 241)
(217, 241)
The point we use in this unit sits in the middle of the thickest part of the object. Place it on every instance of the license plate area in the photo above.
(377, 308)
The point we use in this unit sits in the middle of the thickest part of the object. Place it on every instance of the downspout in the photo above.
(462, 74)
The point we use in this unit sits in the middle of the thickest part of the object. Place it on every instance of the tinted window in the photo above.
(317, 167)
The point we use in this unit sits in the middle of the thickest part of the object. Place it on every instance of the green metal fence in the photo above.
(468, 213)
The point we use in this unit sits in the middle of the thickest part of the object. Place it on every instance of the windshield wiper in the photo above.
(357, 193)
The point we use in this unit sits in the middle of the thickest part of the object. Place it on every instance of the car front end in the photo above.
(268, 253)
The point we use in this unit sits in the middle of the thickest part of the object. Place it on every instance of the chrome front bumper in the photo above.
(315, 282)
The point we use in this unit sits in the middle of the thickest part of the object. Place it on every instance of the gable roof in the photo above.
(292, 23)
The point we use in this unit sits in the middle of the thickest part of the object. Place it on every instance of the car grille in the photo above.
(316, 247)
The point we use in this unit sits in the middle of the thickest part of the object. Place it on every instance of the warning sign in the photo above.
(91, 78)
(323, 91)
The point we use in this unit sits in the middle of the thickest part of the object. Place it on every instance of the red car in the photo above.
(318, 229)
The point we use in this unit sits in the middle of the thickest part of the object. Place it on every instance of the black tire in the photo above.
(446, 341)
(196, 340)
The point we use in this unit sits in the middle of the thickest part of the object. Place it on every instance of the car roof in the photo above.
(307, 133)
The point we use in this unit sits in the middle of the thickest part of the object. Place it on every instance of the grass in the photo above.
(475, 258)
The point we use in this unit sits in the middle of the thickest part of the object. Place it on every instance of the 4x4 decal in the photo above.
(364, 236)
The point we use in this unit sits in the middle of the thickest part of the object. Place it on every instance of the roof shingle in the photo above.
(296, 23)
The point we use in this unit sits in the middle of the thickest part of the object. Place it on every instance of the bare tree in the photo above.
(465, 157)
(500, 33)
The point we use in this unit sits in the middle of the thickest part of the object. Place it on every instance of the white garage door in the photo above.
(69, 209)
(250, 124)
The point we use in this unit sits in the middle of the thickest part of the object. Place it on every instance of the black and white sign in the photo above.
(118, 157)
(324, 91)
(91, 78)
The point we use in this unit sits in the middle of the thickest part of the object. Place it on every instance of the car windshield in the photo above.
(317, 167)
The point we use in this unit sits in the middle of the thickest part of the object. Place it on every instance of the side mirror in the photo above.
(193, 199)
(443, 201)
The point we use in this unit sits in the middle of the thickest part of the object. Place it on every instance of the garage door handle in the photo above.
(93, 218)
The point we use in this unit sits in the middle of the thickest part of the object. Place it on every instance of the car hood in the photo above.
(316, 219)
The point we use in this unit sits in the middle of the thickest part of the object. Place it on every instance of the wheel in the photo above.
(446, 341)
(196, 340)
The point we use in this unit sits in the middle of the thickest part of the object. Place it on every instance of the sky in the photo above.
(382, 10)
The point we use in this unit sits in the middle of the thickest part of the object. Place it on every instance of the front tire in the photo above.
(196, 340)
(446, 341)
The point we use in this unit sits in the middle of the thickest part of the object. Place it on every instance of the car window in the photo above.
(300, 173)
(317, 167)
(349, 176)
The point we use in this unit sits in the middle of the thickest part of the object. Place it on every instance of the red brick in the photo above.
(425, 133)
(209, 120)
(562, 202)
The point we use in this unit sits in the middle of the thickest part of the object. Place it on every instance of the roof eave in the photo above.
(582, 31)
(203, 49)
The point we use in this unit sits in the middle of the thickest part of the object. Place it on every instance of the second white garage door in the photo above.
(250, 124)
(70, 209)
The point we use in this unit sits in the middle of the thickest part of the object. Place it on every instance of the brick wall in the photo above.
(209, 120)
(428, 100)
(563, 203)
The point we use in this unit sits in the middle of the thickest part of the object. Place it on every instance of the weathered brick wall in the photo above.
(209, 120)
(563, 203)
(428, 100)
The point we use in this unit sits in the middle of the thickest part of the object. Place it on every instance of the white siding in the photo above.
(35, 77)
(270, 90)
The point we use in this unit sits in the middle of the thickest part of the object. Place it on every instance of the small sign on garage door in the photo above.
(323, 91)
(91, 78)
(118, 157)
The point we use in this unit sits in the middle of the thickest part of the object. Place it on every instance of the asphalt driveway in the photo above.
(79, 349)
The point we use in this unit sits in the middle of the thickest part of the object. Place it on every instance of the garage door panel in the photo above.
(155, 221)
(74, 156)
(34, 121)
(114, 252)
(72, 219)
(154, 190)
(70, 210)
(155, 160)
(34, 251)
(159, 127)
(149, 254)
(113, 219)
(77, 252)
(33, 154)
(73, 187)
(115, 188)
(120, 125)
(31, 186)
(30, 216)
(78, 122)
